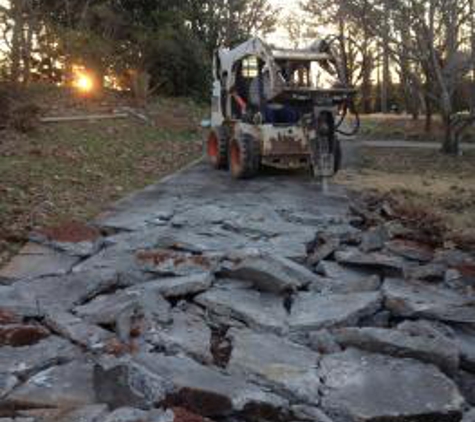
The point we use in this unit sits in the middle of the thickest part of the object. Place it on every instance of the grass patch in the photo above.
(73, 171)
(424, 180)
(403, 127)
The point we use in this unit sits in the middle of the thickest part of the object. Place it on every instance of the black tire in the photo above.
(244, 157)
(217, 146)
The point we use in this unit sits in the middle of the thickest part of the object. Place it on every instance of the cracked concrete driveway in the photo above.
(262, 300)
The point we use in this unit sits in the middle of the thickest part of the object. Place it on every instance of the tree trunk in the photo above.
(16, 41)
(429, 114)
(451, 144)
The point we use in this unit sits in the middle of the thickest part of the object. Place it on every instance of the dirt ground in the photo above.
(422, 180)
(73, 171)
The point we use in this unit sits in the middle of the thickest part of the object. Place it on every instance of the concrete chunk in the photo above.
(366, 387)
(286, 367)
(64, 386)
(311, 312)
(419, 300)
(208, 392)
(260, 311)
(272, 273)
(438, 351)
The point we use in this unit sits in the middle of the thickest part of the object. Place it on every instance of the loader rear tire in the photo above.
(244, 157)
(217, 146)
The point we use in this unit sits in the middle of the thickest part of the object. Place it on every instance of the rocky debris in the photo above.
(37, 297)
(260, 311)
(35, 261)
(183, 415)
(431, 272)
(322, 341)
(92, 413)
(7, 383)
(379, 261)
(106, 309)
(24, 362)
(341, 279)
(73, 238)
(179, 287)
(419, 300)
(18, 335)
(439, 351)
(465, 340)
(308, 413)
(411, 250)
(90, 336)
(64, 386)
(271, 273)
(323, 247)
(125, 382)
(208, 392)
(469, 416)
(128, 414)
(374, 239)
(201, 310)
(466, 383)
(272, 360)
(175, 263)
(368, 387)
(312, 312)
(188, 333)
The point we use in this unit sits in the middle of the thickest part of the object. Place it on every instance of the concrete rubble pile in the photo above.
(206, 299)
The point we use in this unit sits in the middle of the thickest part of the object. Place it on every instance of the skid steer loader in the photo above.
(277, 107)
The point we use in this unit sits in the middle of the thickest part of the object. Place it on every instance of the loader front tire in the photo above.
(217, 148)
(244, 157)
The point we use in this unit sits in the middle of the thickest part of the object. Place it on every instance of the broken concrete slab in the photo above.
(176, 287)
(368, 387)
(430, 272)
(469, 416)
(124, 382)
(7, 383)
(208, 392)
(35, 298)
(321, 341)
(188, 333)
(308, 413)
(260, 311)
(24, 362)
(411, 250)
(93, 413)
(90, 336)
(174, 263)
(271, 273)
(64, 386)
(106, 309)
(35, 261)
(389, 264)
(284, 366)
(374, 239)
(419, 300)
(342, 279)
(72, 238)
(439, 351)
(465, 340)
(322, 247)
(312, 312)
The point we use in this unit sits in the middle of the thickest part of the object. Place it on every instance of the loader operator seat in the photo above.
(272, 113)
